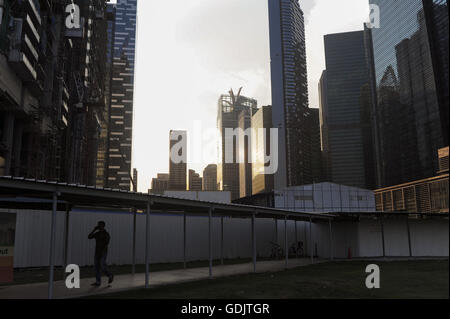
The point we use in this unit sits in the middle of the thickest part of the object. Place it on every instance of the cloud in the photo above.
(227, 35)
(307, 6)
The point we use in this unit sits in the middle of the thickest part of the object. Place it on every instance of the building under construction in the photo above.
(232, 108)
(53, 88)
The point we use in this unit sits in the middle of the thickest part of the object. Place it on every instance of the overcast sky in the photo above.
(189, 52)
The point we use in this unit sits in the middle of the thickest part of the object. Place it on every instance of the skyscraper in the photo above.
(345, 110)
(210, 178)
(195, 181)
(122, 92)
(135, 180)
(245, 167)
(436, 12)
(52, 89)
(103, 147)
(323, 119)
(177, 161)
(160, 184)
(262, 181)
(229, 109)
(410, 73)
(315, 151)
(290, 93)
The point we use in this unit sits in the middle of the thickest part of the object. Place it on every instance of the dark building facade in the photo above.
(323, 122)
(52, 89)
(436, 16)
(89, 73)
(177, 167)
(345, 109)
(409, 55)
(290, 107)
(315, 151)
(245, 167)
(118, 173)
(160, 184)
(195, 181)
(210, 178)
(262, 180)
(103, 145)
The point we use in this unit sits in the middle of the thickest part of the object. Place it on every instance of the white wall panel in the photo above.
(428, 238)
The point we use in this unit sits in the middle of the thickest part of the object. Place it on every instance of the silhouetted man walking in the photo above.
(102, 238)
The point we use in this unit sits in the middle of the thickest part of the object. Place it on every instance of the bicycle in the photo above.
(276, 252)
(296, 250)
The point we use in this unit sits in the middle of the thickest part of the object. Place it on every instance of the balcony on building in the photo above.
(24, 48)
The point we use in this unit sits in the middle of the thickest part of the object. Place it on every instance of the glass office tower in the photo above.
(103, 147)
(408, 79)
(122, 89)
(436, 12)
(345, 110)
(290, 93)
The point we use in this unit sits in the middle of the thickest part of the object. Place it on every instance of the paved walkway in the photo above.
(128, 282)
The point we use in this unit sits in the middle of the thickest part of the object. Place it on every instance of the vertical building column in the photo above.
(276, 231)
(147, 245)
(221, 241)
(311, 241)
(382, 235)
(210, 241)
(305, 245)
(296, 240)
(66, 236)
(409, 236)
(286, 248)
(184, 241)
(254, 241)
(52, 246)
(133, 264)
(331, 241)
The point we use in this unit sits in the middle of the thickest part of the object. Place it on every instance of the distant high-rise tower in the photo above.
(210, 178)
(135, 180)
(160, 184)
(245, 167)
(345, 110)
(177, 161)
(230, 108)
(409, 55)
(122, 92)
(290, 93)
(262, 181)
(195, 181)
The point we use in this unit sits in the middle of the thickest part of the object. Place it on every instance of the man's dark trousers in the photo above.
(101, 267)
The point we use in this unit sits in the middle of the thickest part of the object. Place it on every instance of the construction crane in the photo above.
(234, 98)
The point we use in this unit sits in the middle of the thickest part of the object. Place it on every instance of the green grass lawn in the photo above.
(399, 279)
